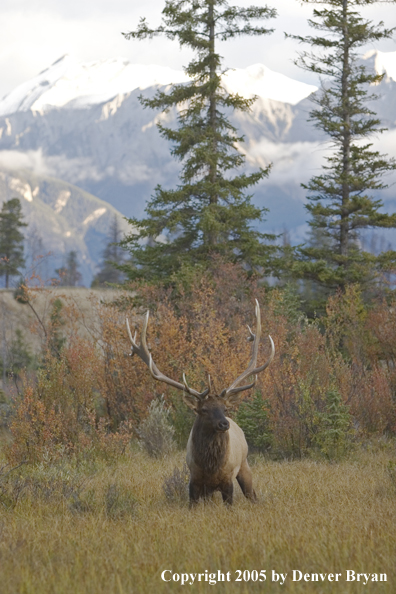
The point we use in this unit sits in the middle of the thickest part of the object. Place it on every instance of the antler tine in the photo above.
(252, 369)
(145, 355)
(144, 331)
(133, 340)
(199, 395)
(185, 382)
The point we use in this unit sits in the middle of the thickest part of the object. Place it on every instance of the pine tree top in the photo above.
(209, 211)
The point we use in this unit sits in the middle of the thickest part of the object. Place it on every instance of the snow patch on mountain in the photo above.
(265, 83)
(22, 188)
(95, 215)
(62, 201)
(384, 62)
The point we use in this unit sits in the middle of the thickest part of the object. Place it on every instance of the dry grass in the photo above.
(109, 529)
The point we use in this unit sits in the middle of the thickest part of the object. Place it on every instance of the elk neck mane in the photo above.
(209, 448)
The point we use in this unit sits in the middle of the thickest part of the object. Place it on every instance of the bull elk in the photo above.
(217, 448)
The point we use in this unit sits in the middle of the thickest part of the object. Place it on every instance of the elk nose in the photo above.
(223, 425)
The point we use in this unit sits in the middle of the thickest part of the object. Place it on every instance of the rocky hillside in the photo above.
(61, 217)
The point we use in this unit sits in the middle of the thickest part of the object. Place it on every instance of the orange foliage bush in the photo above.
(93, 395)
(361, 342)
(58, 414)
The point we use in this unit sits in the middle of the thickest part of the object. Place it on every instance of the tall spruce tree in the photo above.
(113, 257)
(11, 239)
(210, 211)
(343, 200)
(69, 275)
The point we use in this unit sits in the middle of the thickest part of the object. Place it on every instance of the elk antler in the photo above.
(252, 369)
(145, 355)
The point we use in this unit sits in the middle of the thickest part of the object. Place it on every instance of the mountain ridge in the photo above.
(110, 147)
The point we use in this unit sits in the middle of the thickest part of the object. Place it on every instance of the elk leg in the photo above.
(227, 491)
(195, 492)
(207, 492)
(244, 478)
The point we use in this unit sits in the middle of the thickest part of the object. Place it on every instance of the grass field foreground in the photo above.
(95, 528)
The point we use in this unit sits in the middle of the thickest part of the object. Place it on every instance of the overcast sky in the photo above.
(35, 33)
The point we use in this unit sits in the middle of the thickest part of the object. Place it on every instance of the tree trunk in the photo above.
(212, 236)
(346, 136)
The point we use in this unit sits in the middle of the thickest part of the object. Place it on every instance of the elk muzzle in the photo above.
(222, 426)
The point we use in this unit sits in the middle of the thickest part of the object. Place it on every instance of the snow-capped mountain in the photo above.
(70, 84)
(84, 124)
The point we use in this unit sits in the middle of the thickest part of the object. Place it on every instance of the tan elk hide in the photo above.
(216, 449)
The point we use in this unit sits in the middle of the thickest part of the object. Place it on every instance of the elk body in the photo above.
(216, 449)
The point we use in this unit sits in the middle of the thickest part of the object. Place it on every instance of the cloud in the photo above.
(292, 163)
(31, 160)
(297, 162)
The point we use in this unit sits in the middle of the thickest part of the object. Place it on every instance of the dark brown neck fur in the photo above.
(209, 447)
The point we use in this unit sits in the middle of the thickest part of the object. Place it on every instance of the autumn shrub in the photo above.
(361, 346)
(295, 384)
(156, 432)
(57, 414)
(200, 329)
(90, 395)
(125, 384)
(175, 485)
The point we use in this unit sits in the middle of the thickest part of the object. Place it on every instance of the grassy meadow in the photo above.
(96, 527)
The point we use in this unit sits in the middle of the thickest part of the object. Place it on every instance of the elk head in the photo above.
(210, 406)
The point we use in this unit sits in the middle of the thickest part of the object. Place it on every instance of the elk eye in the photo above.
(204, 410)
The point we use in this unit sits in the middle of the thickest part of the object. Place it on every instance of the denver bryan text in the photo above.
(349, 576)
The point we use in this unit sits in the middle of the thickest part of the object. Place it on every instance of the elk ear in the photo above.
(191, 401)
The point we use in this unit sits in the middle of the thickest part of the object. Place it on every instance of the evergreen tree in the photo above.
(253, 418)
(334, 432)
(19, 356)
(11, 239)
(113, 256)
(69, 274)
(209, 212)
(36, 254)
(343, 199)
(56, 340)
